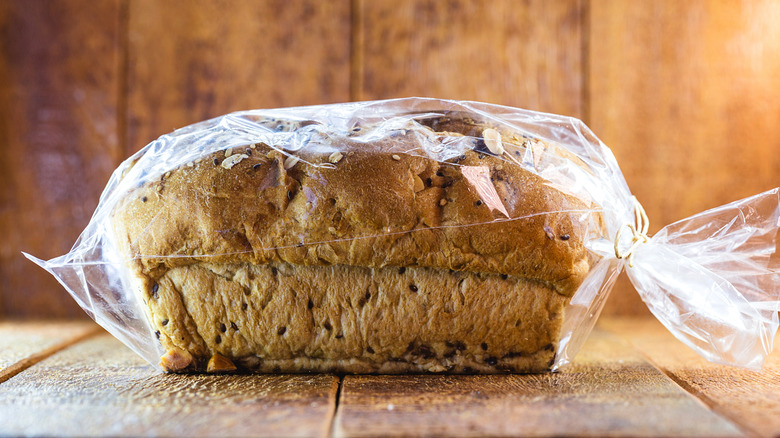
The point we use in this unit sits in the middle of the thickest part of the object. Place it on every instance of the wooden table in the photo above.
(631, 379)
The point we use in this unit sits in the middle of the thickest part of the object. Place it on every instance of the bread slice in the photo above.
(358, 253)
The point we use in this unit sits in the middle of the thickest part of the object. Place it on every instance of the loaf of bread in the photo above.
(362, 251)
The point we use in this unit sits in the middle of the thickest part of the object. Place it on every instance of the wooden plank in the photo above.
(58, 100)
(23, 344)
(686, 94)
(190, 63)
(100, 388)
(608, 391)
(749, 398)
(526, 54)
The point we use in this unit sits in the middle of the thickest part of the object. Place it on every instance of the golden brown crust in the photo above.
(363, 211)
(348, 203)
(220, 364)
(293, 318)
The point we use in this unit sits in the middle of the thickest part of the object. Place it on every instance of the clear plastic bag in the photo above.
(707, 278)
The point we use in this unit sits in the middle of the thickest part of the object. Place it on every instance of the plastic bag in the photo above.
(707, 278)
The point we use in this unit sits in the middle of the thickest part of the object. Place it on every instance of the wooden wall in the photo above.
(687, 94)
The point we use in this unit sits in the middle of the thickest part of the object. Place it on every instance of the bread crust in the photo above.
(295, 318)
(377, 206)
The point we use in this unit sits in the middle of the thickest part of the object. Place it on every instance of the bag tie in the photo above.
(638, 233)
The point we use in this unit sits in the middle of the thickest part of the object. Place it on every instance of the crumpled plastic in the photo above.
(711, 279)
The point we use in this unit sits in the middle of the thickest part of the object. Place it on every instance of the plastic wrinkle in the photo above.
(708, 280)
(374, 236)
(711, 279)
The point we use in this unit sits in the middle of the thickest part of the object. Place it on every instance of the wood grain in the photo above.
(748, 398)
(194, 62)
(100, 388)
(23, 344)
(58, 101)
(686, 94)
(527, 54)
(610, 390)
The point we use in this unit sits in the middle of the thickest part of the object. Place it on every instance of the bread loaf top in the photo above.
(361, 199)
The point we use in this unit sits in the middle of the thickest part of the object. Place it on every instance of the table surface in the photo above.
(632, 378)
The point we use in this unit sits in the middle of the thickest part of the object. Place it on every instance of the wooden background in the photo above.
(687, 94)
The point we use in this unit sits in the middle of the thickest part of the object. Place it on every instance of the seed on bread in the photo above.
(291, 161)
(418, 184)
(335, 157)
(232, 160)
(493, 141)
